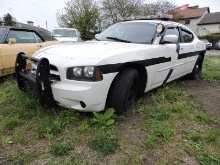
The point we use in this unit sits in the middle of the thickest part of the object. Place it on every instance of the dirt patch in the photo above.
(206, 94)
(215, 53)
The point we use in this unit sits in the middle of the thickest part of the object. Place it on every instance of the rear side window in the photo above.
(187, 36)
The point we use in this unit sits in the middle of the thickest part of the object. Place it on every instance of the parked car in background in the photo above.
(217, 45)
(67, 34)
(14, 40)
(124, 61)
(207, 43)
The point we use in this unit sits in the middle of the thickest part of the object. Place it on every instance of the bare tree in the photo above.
(81, 14)
(158, 7)
(115, 10)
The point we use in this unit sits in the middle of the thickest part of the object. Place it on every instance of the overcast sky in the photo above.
(40, 11)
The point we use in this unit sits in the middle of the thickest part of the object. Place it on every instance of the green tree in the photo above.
(83, 15)
(8, 20)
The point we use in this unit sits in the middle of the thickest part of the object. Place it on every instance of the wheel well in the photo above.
(142, 77)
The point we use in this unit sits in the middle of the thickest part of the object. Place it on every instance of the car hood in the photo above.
(90, 49)
(65, 39)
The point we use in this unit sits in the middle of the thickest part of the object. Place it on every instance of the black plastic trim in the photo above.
(111, 68)
(39, 83)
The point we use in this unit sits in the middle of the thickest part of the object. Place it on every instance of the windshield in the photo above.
(2, 32)
(133, 32)
(64, 33)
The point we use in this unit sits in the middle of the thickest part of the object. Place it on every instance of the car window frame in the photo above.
(171, 26)
(182, 38)
(4, 36)
(26, 30)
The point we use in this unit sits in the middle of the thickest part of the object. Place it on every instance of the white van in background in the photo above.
(67, 35)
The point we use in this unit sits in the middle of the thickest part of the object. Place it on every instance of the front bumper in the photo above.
(83, 96)
(80, 95)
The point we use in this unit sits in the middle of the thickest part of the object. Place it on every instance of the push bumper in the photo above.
(39, 82)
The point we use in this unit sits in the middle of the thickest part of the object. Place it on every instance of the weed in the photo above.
(61, 148)
(19, 158)
(158, 132)
(212, 136)
(103, 144)
(104, 119)
(150, 142)
(194, 148)
(83, 126)
(209, 159)
(6, 140)
(50, 127)
(203, 118)
(195, 137)
(12, 123)
(159, 112)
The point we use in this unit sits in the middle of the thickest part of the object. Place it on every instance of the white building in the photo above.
(200, 20)
(209, 24)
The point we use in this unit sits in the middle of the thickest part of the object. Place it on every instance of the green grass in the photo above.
(103, 144)
(164, 123)
(211, 68)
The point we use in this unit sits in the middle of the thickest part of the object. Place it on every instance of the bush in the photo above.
(213, 38)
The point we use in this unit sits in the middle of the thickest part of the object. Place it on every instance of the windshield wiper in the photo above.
(118, 39)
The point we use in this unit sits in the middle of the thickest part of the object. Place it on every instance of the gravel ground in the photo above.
(215, 53)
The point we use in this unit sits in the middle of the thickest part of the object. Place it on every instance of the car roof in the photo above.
(44, 35)
(64, 28)
(165, 23)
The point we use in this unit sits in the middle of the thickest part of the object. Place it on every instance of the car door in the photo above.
(187, 55)
(164, 71)
(18, 41)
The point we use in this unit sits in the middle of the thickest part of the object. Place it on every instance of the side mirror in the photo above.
(12, 40)
(96, 35)
(170, 39)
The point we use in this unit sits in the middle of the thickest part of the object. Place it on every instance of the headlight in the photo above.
(77, 71)
(84, 73)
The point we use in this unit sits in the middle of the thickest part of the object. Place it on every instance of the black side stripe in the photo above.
(168, 76)
(190, 54)
(111, 68)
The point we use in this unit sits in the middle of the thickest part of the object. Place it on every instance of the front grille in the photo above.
(54, 73)
(54, 77)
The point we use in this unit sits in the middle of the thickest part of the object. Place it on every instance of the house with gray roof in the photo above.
(192, 17)
(209, 24)
(199, 20)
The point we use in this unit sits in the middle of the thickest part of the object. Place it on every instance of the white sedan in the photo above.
(124, 61)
